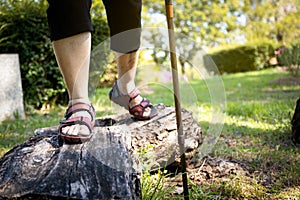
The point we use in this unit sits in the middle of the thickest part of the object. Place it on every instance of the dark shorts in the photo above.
(70, 17)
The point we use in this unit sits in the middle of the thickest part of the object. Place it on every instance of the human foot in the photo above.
(138, 106)
(77, 127)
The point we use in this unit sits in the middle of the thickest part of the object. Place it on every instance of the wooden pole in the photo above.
(169, 14)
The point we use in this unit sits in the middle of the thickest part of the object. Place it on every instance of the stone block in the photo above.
(11, 95)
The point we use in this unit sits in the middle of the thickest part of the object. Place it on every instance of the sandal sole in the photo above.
(75, 139)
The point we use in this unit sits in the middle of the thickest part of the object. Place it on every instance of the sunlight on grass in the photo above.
(256, 132)
(250, 124)
(289, 193)
(242, 187)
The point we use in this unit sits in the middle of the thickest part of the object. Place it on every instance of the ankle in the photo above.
(137, 100)
(125, 88)
(79, 100)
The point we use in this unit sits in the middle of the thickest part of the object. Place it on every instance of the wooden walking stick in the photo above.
(169, 14)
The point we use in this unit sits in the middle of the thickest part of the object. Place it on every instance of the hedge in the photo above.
(241, 58)
(290, 57)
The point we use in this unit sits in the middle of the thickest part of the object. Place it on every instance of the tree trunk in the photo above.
(106, 167)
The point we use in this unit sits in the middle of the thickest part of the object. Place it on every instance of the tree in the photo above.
(276, 20)
(208, 23)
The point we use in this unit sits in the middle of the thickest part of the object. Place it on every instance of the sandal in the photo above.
(118, 98)
(138, 110)
(79, 138)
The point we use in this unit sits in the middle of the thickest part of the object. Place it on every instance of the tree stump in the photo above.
(107, 167)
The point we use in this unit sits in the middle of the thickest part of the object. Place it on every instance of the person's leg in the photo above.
(73, 57)
(127, 65)
(70, 26)
(124, 19)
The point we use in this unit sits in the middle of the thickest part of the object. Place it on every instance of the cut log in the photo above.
(107, 167)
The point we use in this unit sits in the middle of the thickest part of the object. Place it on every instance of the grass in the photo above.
(17, 131)
(256, 132)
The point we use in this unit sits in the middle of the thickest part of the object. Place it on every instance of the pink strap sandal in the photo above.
(79, 138)
(138, 110)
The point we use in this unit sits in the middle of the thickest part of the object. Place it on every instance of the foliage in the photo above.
(208, 23)
(276, 20)
(241, 58)
(290, 57)
(216, 23)
(108, 77)
(265, 51)
(154, 187)
(101, 30)
(24, 30)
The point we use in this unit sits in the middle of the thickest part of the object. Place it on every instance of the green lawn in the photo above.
(256, 130)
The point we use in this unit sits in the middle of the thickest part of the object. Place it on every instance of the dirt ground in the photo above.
(291, 80)
(208, 170)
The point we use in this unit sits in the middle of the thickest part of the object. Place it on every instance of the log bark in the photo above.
(109, 166)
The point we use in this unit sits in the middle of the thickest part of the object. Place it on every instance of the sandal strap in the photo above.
(132, 95)
(139, 109)
(77, 120)
(80, 107)
(123, 100)
(118, 98)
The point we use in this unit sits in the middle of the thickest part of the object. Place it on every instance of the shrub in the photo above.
(290, 57)
(24, 30)
(240, 59)
(265, 51)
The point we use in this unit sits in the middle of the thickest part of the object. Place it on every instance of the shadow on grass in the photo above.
(270, 156)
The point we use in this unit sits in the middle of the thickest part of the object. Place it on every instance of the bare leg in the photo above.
(127, 64)
(126, 71)
(73, 57)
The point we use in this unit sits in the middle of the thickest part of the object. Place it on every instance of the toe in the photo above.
(147, 112)
(84, 130)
